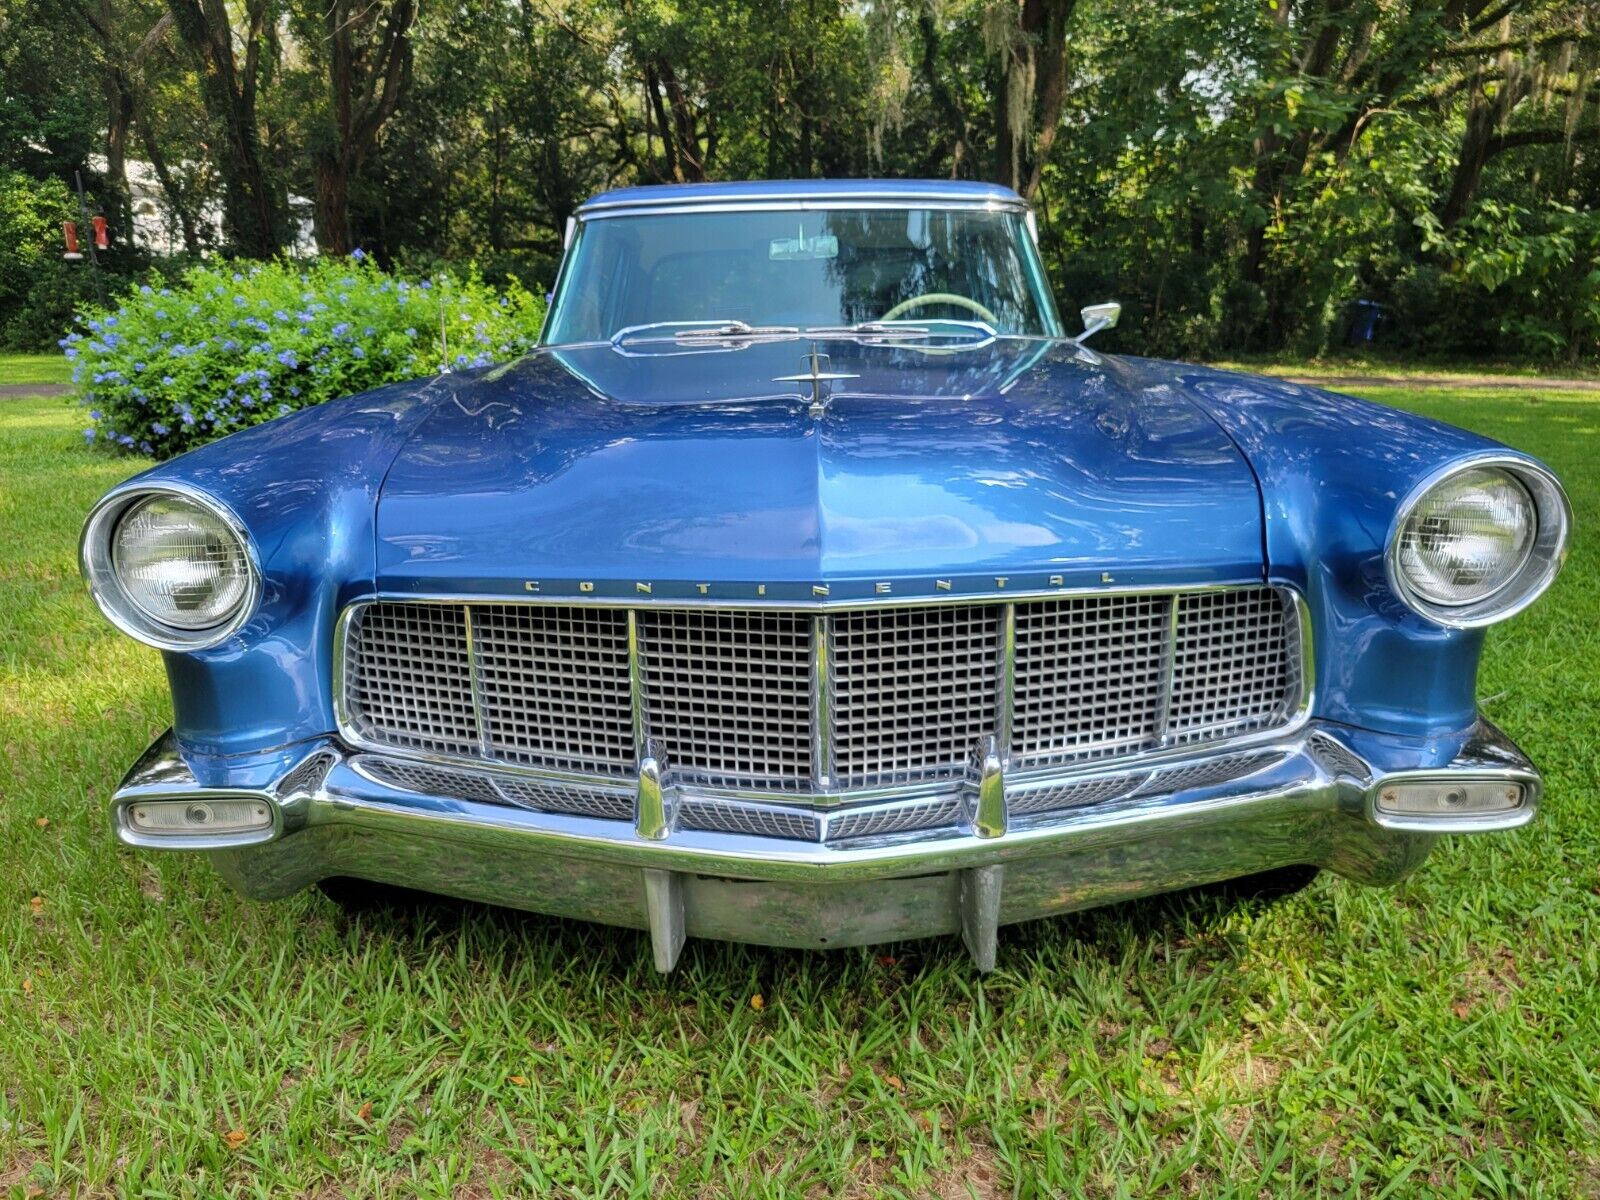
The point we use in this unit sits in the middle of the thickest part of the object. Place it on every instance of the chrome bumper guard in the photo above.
(1014, 850)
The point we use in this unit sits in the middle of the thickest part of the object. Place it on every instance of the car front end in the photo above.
(823, 634)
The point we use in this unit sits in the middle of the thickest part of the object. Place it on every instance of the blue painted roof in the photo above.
(960, 191)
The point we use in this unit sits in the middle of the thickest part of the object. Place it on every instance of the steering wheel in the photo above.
(965, 302)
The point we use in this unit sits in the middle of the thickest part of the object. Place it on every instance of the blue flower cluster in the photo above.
(170, 368)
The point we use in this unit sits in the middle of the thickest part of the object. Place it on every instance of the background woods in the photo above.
(1236, 171)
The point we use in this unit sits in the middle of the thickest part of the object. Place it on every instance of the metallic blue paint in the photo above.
(678, 468)
(1020, 459)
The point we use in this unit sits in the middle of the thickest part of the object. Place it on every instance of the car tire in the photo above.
(1266, 887)
(364, 896)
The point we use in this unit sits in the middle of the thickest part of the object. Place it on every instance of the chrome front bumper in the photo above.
(1313, 799)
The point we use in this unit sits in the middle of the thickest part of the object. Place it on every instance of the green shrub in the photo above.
(173, 367)
(31, 212)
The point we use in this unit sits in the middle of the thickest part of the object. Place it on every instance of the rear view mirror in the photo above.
(1099, 316)
(802, 248)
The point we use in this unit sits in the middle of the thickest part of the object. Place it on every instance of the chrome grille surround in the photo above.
(820, 709)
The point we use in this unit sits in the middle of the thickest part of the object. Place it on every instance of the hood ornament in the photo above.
(819, 380)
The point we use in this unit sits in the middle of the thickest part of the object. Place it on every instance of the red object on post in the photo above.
(69, 230)
(101, 239)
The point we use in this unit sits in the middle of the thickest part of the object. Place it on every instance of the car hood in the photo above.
(593, 470)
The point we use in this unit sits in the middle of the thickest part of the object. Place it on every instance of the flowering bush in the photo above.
(173, 367)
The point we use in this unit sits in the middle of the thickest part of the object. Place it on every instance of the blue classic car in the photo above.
(810, 586)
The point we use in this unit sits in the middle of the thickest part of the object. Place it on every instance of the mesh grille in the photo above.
(1210, 773)
(728, 694)
(1236, 664)
(899, 818)
(728, 816)
(308, 776)
(1089, 676)
(913, 689)
(567, 798)
(554, 686)
(1073, 795)
(407, 683)
(1338, 758)
(431, 781)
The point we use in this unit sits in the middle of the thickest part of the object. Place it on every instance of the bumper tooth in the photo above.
(663, 900)
(980, 914)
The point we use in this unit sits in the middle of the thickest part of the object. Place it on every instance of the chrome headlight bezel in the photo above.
(97, 560)
(1535, 573)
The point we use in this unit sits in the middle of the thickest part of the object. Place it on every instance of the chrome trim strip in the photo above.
(884, 201)
(474, 684)
(1006, 706)
(1169, 667)
(822, 740)
(693, 600)
(636, 687)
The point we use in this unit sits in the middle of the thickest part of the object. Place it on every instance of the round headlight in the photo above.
(169, 566)
(1480, 542)
(180, 563)
(1467, 537)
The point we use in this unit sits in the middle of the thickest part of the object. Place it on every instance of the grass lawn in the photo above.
(34, 368)
(160, 1036)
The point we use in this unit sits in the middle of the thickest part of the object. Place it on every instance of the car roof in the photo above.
(800, 192)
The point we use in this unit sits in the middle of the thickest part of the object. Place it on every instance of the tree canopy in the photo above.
(1236, 171)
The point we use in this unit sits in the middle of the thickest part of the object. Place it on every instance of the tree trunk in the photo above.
(228, 90)
(364, 91)
(118, 201)
(331, 204)
(169, 188)
(1033, 86)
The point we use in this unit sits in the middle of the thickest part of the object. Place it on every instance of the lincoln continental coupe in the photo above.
(811, 585)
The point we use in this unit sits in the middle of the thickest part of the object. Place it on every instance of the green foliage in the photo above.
(1237, 173)
(31, 212)
(172, 367)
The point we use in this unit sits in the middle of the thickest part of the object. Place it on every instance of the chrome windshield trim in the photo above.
(606, 209)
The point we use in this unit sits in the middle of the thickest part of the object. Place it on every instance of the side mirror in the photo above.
(1099, 316)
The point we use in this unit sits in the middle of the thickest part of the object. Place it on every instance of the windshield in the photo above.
(830, 268)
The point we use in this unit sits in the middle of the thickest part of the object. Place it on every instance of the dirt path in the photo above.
(13, 391)
(1518, 383)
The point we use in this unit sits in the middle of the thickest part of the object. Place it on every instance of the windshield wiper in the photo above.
(692, 331)
(893, 329)
(735, 329)
(878, 329)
